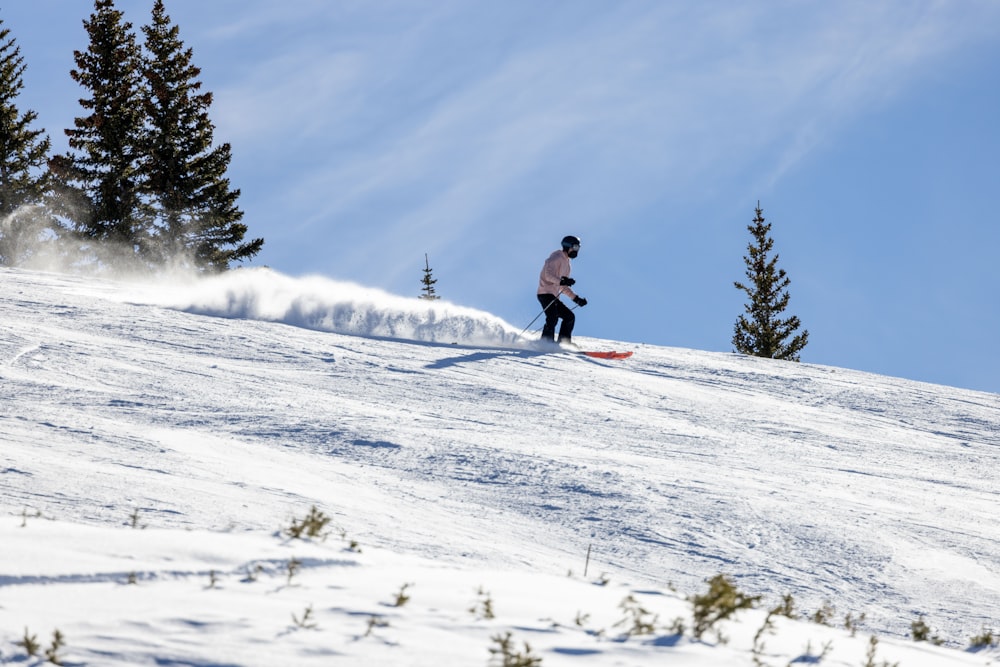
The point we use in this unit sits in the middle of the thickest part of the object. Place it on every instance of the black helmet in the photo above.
(571, 244)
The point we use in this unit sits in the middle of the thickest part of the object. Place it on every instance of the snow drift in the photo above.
(322, 304)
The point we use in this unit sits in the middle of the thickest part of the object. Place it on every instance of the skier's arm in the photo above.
(564, 270)
(554, 270)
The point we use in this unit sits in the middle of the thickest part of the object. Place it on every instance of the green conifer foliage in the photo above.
(761, 331)
(428, 291)
(103, 165)
(194, 208)
(24, 179)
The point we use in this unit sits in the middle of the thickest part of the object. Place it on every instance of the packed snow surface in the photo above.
(157, 442)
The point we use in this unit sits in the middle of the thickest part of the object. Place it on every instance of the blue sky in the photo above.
(366, 134)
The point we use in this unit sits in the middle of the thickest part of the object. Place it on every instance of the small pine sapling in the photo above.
(29, 643)
(505, 655)
(306, 621)
(483, 608)
(921, 632)
(852, 623)
(52, 652)
(823, 615)
(721, 601)
(870, 655)
(375, 621)
(638, 620)
(313, 525)
(767, 628)
(292, 568)
(401, 597)
(985, 639)
(352, 545)
(133, 520)
(252, 572)
(25, 515)
(785, 608)
(428, 291)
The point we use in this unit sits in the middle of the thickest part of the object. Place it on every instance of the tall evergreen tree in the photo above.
(194, 207)
(762, 332)
(24, 179)
(104, 168)
(428, 282)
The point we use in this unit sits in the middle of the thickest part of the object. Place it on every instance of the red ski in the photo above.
(607, 355)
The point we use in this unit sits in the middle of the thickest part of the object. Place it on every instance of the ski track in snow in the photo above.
(877, 494)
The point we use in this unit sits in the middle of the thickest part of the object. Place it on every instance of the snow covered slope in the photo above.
(215, 412)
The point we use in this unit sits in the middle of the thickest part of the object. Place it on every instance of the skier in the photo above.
(553, 282)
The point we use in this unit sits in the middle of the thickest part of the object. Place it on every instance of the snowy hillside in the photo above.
(157, 442)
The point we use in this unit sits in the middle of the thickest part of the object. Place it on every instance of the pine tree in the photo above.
(104, 169)
(428, 282)
(24, 179)
(192, 202)
(764, 333)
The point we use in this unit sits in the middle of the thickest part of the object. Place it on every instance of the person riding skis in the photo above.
(553, 282)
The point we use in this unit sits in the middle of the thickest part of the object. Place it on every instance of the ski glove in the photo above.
(567, 281)
(580, 301)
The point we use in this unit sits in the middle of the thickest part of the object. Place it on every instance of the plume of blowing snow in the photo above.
(323, 304)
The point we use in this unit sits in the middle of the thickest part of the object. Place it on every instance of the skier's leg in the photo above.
(568, 320)
(551, 315)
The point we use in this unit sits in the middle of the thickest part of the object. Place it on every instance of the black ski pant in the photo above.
(556, 310)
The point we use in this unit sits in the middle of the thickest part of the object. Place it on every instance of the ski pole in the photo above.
(541, 313)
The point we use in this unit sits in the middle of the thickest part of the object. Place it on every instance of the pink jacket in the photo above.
(555, 267)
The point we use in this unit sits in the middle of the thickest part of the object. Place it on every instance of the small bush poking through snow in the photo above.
(721, 601)
(375, 621)
(25, 516)
(505, 655)
(313, 525)
(292, 568)
(52, 652)
(134, 520)
(921, 632)
(985, 639)
(29, 643)
(870, 656)
(637, 621)
(306, 620)
(824, 615)
(401, 597)
(483, 608)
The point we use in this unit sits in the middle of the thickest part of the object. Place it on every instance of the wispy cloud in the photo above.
(433, 120)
